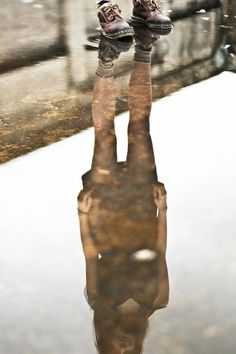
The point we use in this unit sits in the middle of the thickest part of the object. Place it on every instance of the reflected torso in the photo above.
(123, 213)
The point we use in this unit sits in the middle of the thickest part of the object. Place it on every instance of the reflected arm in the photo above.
(159, 195)
(162, 297)
(84, 205)
(91, 258)
(161, 231)
(89, 248)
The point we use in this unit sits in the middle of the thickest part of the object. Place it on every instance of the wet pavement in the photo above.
(121, 238)
(43, 306)
(46, 81)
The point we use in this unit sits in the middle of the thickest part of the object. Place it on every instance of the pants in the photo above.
(140, 157)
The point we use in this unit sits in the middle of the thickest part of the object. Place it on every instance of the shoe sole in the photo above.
(162, 28)
(116, 35)
(119, 46)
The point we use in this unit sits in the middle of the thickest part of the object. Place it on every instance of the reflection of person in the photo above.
(144, 11)
(122, 210)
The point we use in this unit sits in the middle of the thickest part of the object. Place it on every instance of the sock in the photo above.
(143, 55)
(105, 70)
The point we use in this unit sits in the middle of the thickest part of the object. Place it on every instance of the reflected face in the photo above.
(129, 332)
(125, 342)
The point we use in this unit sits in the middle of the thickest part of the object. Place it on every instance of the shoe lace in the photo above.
(152, 5)
(111, 12)
(110, 54)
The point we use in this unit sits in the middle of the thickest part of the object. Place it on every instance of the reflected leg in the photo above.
(140, 149)
(103, 112)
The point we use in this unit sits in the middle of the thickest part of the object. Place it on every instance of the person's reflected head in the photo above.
(120, 331)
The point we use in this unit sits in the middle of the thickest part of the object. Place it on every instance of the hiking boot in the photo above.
(149, 13)
(144, 36)
(112, 23)
(110, 49)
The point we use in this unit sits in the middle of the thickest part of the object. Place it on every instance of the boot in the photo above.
(112, 24)
(149, 13)
(110, 49)
(145, 37)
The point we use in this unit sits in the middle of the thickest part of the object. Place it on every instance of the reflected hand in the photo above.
(92, 296)
(102, 308)
(159, 195)
(85, 200)
(161, 303)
